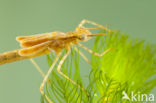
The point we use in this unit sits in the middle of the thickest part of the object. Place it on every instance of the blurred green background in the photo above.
(19, 81)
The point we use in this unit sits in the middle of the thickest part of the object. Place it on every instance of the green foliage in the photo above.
(129, 66)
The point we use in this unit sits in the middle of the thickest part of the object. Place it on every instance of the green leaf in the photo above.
(129, 66)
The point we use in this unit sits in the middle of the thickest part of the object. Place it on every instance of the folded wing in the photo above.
(30, 51)
(29, 41)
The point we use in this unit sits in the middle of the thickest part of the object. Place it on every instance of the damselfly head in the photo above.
(83, 33)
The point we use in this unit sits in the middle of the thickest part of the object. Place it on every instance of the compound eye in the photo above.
(83, 37)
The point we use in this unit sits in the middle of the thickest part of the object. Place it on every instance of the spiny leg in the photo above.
(93, 23)
(46, 78)
(83, 56)
(65, 76)
(37, 67)
(92, 52)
